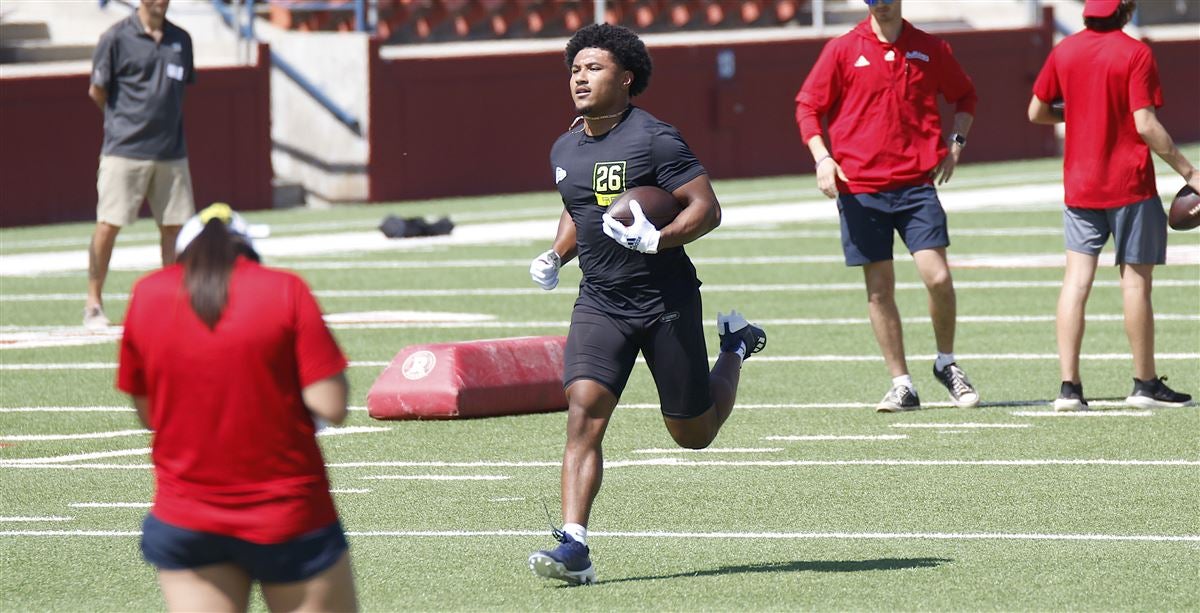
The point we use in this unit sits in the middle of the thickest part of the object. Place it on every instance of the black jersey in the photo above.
(590, 173)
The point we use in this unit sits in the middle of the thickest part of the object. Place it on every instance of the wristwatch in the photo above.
(958, 138)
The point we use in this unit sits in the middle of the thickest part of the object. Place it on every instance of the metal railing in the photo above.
(247, 30)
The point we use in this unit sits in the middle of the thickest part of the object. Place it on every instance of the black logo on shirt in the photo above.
(608, 181)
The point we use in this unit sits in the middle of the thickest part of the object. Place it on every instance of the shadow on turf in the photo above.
(815, 566)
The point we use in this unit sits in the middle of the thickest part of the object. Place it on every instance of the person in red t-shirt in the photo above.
(878, 86)
(1109, 87)
(231, 365)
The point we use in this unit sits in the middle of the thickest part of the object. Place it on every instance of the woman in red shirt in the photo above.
(231, 365)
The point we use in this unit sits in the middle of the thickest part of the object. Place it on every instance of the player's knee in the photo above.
(940, 283)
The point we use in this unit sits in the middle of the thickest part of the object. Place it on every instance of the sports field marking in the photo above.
(1083, 413)
(72, 437)
(953, 431)
(509, 499)
(671, 462)
(97, 455)
(962, 425)
(33, 519)
(350, 491)
(419, 317)
(1102, 357)
(711, 450)
(438, 477)
(837, 437)
(337, 431)
(66, 410)
(947, 536)
(111, 505)
(571, 293)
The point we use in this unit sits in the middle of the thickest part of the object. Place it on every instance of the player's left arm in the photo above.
(701, 213)
(957, 88)
(1160, 142)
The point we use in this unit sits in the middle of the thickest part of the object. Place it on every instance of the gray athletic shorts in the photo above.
(1139, 231)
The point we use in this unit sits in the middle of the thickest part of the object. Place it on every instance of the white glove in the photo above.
(641, 236)
(544, 270)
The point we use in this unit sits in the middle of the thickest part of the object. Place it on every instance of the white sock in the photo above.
(905, 380)
(577, 532)
(741, 350)
(943, 360)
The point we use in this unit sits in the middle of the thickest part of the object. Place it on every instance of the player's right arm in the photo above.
(102, 70)
(544, 268)
(1160, 142)
(821, 89)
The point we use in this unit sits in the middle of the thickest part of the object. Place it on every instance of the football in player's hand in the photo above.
(659, 206)
(1185, 210)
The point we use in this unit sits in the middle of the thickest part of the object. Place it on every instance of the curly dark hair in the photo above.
(1116, 21)
(629, 51)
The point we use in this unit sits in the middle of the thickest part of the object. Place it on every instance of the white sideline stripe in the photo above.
(24, 337)
(710, 450)
(1082, 413)
(71, 437)
(77, 457)
(962, 425)
(571, 293)
(337, 431)
(837, 437)
(509, 499)
(666, 462)
(760, 360)
(112, 505)
(32, 519)
(949, 536)
(439, 477)
(66, 410)
(350, 490)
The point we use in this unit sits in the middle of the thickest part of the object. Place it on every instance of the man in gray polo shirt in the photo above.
(139, 71)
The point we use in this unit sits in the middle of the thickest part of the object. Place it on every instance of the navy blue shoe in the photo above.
(568, 562)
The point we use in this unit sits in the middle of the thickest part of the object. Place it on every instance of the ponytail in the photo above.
(207, 264)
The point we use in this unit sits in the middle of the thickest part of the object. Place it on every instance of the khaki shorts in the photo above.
(122, 183)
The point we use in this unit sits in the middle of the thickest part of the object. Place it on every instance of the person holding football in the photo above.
(639, 291)
(1108, 86)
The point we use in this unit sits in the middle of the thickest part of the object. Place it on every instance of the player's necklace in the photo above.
(586, 118)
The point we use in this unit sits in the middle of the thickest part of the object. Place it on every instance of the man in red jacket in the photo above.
(1109, 85)
(878, 85)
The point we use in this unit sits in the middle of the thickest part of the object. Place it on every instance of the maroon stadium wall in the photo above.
(51, 134)
(1181, 89)
(484, 124)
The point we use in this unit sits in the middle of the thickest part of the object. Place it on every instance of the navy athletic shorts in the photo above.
(870, 220)
(604, 348)
(170, 547)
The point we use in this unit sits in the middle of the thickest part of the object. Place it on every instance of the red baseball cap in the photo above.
(1100, 8)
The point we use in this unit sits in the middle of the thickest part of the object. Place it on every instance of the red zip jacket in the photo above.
(881, 100)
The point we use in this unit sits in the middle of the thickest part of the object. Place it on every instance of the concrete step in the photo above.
(44, 51)
(11, 32)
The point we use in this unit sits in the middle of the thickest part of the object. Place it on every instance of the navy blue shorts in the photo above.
(170, 547)
(604, 348)
(868, 222)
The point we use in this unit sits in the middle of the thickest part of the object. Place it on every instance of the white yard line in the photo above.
(888, 536)
(72, 437)
(837, 437)
(709, 288)
(1082, 413)
(337, 431)
(34, 519)
(66, 410)
(672, 462)
(438, 477)
(712, 450)
(349, 490)
(111, 505)
(960, 425)
(75, 457)
(1101, 357)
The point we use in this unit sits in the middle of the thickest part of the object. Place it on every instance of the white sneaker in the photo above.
(899, 398)
(94, 318)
